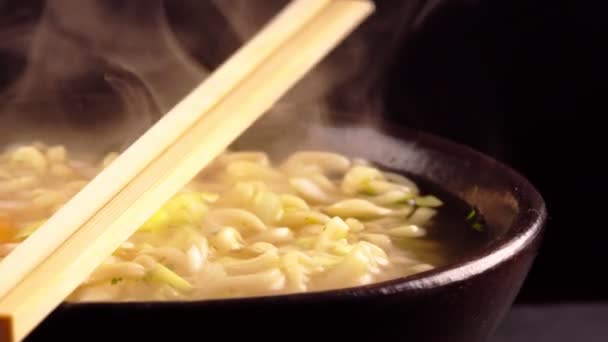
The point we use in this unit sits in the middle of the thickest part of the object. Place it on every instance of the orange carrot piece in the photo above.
(7, 229)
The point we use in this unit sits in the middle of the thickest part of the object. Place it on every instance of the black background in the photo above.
(525, 82)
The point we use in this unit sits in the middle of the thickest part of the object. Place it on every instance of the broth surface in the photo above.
(246, 226)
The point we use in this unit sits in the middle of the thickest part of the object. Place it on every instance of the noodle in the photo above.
(243, 227)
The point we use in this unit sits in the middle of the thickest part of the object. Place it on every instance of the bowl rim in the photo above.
(523, 231)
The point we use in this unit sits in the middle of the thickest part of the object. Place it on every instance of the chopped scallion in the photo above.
(471, 215)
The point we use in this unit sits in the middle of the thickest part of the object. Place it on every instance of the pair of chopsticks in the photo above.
(43, 270)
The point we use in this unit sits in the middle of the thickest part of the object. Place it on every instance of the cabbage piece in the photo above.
(160, 274)
(428, 201)
(184, 208)
(159, 220)
(335, 230)
(356, 268)
(357, 180)
(267, 206)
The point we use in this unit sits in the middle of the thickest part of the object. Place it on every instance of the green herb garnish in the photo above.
(471, 215)
(115, 280)
(475, 220)
(478, 226)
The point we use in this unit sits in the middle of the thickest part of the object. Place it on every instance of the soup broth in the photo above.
(247, 227)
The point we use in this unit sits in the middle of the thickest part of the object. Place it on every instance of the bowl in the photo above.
(463, 301)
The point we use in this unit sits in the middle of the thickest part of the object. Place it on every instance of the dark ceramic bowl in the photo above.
(462, 302)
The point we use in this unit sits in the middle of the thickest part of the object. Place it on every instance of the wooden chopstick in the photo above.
(109, 182)
(26, 304)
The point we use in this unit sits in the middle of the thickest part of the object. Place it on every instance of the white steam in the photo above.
(100, 72)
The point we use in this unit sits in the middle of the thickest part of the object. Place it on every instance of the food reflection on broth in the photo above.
(243, 227)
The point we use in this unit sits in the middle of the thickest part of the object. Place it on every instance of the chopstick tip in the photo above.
(6, 329)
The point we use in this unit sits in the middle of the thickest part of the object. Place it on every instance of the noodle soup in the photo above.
(248, 227)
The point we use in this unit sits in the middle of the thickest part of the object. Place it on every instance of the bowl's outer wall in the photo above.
(467, 310)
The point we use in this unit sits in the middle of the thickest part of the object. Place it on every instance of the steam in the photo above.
(102, 68)
(98, 73)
